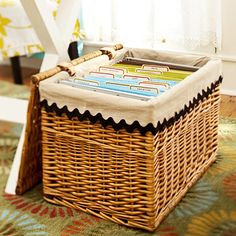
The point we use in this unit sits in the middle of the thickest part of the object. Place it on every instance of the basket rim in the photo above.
(160, 126)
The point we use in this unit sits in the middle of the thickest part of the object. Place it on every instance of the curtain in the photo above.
(182, 24)
(17, 37)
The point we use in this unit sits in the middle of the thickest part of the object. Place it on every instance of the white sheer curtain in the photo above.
(179, 24)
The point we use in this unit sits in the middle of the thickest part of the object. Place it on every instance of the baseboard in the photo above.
(228, 92)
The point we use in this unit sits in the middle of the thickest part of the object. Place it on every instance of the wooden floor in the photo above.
(228, 103)
(6, 74)
(228, 106)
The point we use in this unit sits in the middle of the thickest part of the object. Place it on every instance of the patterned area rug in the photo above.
(208, 209)
(13, 90)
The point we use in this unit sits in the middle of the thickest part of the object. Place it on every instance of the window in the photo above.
(178, 24)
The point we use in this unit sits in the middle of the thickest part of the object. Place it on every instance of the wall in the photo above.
(228, 52)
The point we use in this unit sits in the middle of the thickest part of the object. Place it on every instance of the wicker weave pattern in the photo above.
(32, 146)
(30, 172)
(128, 178)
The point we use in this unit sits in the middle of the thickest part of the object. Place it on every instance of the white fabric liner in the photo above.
(156, 109)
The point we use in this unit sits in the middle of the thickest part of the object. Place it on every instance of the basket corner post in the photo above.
(30, 172)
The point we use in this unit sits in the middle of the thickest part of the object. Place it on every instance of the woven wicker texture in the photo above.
(128, 178)
(30, 172)
(31, 161)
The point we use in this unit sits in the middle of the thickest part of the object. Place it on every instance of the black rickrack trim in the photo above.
(135, 125)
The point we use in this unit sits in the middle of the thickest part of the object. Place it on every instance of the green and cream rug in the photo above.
(209, 208)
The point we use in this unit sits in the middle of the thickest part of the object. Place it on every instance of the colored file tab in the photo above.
(156, 68)
(166, 84)
(114, 71)
(106, 91)
(129, 86)
(135, 77)
(135, 81)
(176, 75)
(102, 75)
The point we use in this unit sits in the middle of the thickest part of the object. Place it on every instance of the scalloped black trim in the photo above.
(135, 125)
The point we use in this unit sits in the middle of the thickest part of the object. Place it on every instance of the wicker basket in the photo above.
(130, 178)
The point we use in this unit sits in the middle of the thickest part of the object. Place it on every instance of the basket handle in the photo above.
(68, 66)
(110, 51)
